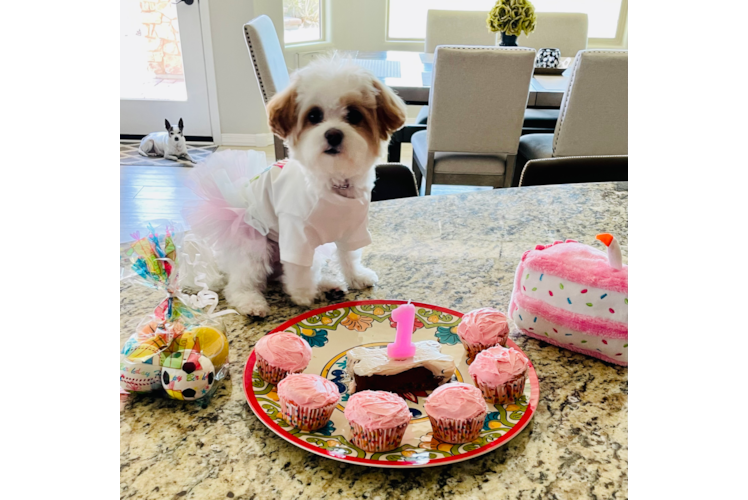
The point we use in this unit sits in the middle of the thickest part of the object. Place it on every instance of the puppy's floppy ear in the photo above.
(168, 125)
(391, 111)
(283, 112)
(181, 125)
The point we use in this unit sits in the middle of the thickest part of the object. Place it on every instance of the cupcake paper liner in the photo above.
(503, 394)
(377, 440)
(474, 349)
(454, 431)
(270, 373)
(306, 419)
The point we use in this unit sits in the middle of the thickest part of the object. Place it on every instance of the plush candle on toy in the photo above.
(574, 296)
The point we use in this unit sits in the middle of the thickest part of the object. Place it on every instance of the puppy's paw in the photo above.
(332, 284)
(249, 303)
(303, 297)
(362, 277)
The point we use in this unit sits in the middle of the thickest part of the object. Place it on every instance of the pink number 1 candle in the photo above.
(405, 317)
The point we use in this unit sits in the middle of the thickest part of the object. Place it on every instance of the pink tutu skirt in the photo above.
(220, 182)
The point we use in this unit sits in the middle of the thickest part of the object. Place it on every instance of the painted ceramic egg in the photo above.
(140, 375)
(187, 374)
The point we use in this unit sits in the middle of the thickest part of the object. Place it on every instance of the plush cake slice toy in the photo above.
(576, 297)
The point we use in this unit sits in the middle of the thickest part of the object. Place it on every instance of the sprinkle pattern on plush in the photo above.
(569, 295)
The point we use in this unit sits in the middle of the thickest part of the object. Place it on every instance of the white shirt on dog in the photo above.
(284, 208)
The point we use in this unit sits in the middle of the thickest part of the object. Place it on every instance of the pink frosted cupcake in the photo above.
(378, 420)
(280, 354)
(457, 412)
(500, 374)
(307, 400)
(481, 329)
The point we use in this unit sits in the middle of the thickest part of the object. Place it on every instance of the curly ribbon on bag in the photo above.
(205, 297)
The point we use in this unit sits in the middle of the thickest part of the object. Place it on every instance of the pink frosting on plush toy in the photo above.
(285, 350)
(377, 410)
(455, 400)
(498, 365)
(579, 263)
(307, 389)
(485, 326)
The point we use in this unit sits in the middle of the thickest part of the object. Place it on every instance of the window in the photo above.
(407, 18)
(150, 52)
(302, 21)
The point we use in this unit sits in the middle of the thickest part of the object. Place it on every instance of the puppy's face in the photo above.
(176, 134)
(336, 118)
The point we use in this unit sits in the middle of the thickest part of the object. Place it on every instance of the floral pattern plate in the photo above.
(332, 331)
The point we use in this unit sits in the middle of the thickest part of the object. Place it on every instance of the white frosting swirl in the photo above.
(368, 361)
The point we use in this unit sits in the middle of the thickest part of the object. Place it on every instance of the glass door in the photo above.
(162, 68)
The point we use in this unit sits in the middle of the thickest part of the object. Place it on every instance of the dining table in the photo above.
(458, 251)
(409, 75)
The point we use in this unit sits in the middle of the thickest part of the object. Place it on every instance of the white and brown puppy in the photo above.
(336, 119)
(170, 144)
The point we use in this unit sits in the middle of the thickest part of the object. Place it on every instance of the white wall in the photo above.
(241, 109)
(362, 25)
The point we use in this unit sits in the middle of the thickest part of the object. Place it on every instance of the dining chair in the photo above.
(476, 107)
(269, 64)
(575, 169)
(566, 31)
(454, 27)
(394, 180)
(594, 112)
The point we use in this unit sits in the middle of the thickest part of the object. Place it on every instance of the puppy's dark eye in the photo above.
(315, 116)
(354, 116)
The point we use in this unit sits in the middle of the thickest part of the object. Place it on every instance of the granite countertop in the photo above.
(457, 251)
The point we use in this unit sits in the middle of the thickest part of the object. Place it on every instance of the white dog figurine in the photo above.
(170, 144)
(336, 119)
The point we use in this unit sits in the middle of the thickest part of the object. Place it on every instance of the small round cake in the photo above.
(500, 374)
(280, 354)
(457, 412)
(378, 420)
(481, 329)
(307, 400)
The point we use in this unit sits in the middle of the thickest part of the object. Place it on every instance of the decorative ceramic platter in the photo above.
(332, 331)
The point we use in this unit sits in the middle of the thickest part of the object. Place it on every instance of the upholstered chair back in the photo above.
(456, 27)
(566, 31)
(267, 56)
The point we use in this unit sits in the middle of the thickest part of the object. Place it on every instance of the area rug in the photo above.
(128, 155)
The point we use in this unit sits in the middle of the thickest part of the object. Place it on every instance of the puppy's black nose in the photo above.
(334, 137)
(176, 138)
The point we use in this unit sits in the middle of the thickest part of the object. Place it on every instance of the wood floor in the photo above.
(148, 193)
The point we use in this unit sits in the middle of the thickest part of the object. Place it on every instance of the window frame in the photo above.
(324, 34)
(620, 40)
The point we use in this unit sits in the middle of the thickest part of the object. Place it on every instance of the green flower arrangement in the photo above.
(512, 17)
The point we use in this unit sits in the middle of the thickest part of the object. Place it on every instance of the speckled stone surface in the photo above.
(457, 251)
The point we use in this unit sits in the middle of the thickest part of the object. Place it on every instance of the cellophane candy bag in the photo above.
(181, 348)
